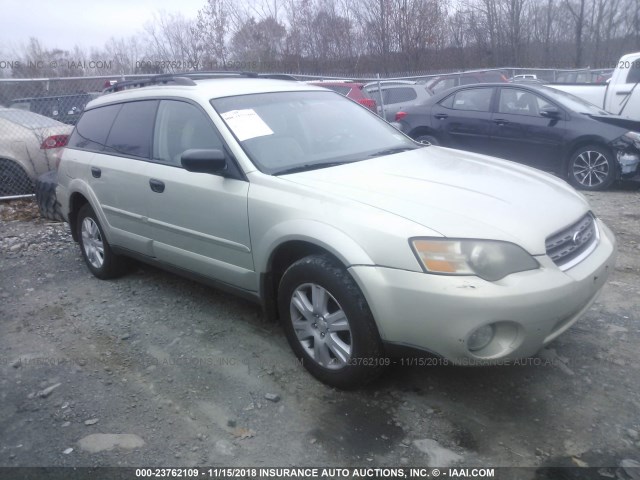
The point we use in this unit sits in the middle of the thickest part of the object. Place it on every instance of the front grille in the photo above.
(570, 246)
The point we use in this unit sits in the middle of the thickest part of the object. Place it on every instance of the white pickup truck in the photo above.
(620, 96)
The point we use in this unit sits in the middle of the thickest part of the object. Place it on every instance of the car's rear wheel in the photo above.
(328, 323)
(96, 251)
(13, 179)
(591, 167)
(427, 139)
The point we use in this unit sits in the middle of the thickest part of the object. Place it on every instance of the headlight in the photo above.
(488, 259)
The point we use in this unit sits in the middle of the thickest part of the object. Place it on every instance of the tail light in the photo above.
(400, 116)
(368, 102)
(54, 141)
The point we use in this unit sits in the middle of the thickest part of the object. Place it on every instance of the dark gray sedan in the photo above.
(532, 124)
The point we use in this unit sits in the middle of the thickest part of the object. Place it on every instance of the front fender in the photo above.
(317, 233)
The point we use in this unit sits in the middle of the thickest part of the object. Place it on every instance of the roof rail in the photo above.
(163, 79)
(186, 78)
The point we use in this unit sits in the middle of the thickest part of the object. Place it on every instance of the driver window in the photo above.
(180, 126)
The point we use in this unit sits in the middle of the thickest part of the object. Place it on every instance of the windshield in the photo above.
(573, 103)
(293, 131)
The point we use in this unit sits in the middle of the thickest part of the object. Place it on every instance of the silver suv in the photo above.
(361, 241)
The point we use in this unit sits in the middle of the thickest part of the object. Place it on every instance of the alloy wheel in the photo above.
(92, 242)
(321, 326)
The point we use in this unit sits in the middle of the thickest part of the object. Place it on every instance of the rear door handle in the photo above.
(624, 93)
(156, 185)
(96, 172)
(500, 121)
(441, 116)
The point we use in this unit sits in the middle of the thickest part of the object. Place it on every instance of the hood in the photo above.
(458, 194)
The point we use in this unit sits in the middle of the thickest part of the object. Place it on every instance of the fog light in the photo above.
(480, 338)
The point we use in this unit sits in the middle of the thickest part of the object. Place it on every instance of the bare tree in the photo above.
(577, 9)
(212, 27)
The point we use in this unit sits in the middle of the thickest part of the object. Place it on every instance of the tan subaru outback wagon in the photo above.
(362, 242)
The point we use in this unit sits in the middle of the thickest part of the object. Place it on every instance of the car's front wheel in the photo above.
(592, 168)
(97, 252)
(328, 323)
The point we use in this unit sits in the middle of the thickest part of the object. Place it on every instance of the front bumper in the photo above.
(438, 313)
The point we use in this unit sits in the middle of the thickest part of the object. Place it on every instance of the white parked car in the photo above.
(30, 144)
(620, 95)
(363, 242)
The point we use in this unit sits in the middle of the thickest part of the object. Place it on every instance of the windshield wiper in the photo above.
(308, 166)
(391, 151)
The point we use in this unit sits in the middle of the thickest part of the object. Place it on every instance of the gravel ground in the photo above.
(155, 370)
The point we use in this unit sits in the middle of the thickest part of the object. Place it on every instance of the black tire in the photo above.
(46, 196)
(427, 139)
(591, 167)
(13, 179)
(105, 264)
(351, 367)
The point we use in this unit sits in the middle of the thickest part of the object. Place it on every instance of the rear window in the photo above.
(27, 119)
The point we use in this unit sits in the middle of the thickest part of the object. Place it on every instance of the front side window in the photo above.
(306, 129)
(132, 129)
(521, 102)
(181, 126)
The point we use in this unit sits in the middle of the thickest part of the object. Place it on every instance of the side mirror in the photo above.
(550, 112)
(204, 161)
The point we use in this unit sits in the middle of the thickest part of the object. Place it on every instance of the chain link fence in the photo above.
(38, 115)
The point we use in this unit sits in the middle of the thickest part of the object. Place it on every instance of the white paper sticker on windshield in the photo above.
(246, 124)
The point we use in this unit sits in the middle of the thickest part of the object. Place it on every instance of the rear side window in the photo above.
(473, 99)
(132, 130)
(93, 128)
(399, 95)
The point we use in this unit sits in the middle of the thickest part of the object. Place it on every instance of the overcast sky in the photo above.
(89, 23)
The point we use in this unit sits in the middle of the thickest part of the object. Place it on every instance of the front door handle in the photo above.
(501, 121)
(441, 116)
(96, 172)
(156, 185)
